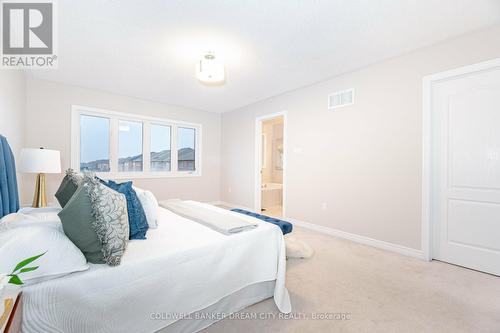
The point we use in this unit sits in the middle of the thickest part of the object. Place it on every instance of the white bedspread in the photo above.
(182, 267)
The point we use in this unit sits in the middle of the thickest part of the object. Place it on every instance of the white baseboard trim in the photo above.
(361, 239)
(345, 235)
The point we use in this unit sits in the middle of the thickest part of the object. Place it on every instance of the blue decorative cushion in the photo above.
(285, 226)
(136, 216)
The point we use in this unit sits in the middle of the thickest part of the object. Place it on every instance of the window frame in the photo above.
(114, 118)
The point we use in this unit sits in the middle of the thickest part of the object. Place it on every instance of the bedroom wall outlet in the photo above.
(323, 206)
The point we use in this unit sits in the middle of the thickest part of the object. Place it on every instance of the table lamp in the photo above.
(40, 161)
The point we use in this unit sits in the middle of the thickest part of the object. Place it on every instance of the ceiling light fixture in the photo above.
(209, 70)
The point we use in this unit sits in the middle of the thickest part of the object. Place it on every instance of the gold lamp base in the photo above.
(39, 199)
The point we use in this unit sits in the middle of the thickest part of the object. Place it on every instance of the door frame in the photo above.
(428, 83)
(258, 159)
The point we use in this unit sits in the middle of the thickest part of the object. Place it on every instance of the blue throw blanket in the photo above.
(285, 226)
(9, 196)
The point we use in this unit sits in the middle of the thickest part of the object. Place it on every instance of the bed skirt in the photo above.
(235, 302)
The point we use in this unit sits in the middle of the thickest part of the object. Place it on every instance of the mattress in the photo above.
(181, 268)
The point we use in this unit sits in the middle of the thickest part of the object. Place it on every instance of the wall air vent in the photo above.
(341, 98)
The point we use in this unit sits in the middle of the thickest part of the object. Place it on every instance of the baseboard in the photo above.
(361, 239)
(345, 235)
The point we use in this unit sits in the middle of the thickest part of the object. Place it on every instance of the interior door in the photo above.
(465, 171)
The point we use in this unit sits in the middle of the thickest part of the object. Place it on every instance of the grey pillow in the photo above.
(76, 218)
(68, 187)
(96, 220)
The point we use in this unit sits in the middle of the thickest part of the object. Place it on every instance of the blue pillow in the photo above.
(136, 216)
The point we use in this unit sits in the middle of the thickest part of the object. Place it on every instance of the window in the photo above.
(160, 158)
(120, 145)
(186, 152)
(94, 143)
(130, 146)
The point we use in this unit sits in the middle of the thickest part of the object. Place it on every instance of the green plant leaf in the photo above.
(27, 261)
(28, 269)
(14, 279)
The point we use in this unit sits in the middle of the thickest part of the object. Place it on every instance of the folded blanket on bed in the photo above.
(286, 227)
(223, 223)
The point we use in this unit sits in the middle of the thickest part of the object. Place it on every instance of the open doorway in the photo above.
(270, 131)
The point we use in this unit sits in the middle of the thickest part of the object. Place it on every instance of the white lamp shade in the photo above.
(40, 161)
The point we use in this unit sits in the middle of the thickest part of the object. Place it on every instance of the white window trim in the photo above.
(114, 116)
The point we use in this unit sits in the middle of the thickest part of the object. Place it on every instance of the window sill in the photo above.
(148, 175)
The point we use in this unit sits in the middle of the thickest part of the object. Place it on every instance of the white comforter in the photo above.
(182, 267)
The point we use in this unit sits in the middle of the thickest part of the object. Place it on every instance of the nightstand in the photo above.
(11, 311)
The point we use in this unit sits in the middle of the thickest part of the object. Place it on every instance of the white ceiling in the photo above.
(148, 49)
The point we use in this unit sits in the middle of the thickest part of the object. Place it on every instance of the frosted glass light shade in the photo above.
(40, 161)
(209, 70)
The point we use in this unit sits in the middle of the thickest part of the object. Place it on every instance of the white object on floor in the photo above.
(297, 249)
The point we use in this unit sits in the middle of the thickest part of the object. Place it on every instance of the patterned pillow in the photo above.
(109, 209)
(68, 187)
(138, 223)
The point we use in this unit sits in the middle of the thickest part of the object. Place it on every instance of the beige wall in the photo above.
(12, 110)
(48, 114)
(363, 162)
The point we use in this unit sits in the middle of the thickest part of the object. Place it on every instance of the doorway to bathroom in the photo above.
(270, 164)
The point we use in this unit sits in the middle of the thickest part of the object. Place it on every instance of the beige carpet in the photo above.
(382, 292)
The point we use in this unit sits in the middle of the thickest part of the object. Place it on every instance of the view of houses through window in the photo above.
(160, 156)
(130, 146)
(95, 145)
(186, 138)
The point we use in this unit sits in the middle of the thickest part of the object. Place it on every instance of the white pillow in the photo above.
(45, 214)
(150, 206)
(62, 257)
(15, 217)
(18, 220)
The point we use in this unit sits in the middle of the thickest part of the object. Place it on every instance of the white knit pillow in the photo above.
(150, 206)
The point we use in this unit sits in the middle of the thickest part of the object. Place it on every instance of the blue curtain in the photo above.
(9, 195)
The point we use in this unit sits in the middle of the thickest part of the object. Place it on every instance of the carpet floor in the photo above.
(349, 287)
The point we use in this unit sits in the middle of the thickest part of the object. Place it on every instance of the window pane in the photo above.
(185, 148)
(94, 143)
(160, 148)
(130, 146)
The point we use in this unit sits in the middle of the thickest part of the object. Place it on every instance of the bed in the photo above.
(167, 283)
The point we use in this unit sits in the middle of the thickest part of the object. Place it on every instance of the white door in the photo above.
(465, 170)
